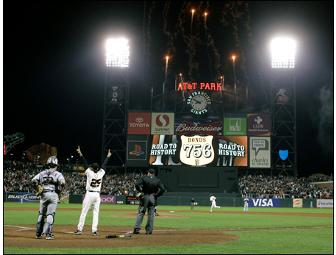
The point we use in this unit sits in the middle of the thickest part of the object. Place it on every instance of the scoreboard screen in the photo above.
(198, 150)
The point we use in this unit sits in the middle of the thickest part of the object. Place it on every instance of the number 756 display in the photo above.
(196, 150)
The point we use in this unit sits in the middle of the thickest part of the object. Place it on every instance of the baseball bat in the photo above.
(118, 236)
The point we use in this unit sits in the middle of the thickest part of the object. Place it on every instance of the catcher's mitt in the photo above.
(39, 190)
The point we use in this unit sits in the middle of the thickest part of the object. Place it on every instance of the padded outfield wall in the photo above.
(199, 179)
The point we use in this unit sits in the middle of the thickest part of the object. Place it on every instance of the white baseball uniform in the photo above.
(92, 197)
(213, 203)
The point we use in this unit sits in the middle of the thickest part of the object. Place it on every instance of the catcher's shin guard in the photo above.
(48, 226)
(39, 224)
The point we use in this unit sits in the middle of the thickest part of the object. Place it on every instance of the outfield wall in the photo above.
(199, 179)
(184, 199)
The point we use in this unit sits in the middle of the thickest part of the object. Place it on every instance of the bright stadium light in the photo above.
(117, 52)
(283, 51)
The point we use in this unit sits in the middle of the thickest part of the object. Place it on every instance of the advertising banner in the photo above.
(234, 125)
(297, 202)
(207, 126)
(108, 199)
(139, 123)
(264, 202)
(232, 151)
(137, 150)
(260, 152)
(162, 123)
(164, 150)
(22, 197)
(259, 124)
(132, 200)
(324, 203)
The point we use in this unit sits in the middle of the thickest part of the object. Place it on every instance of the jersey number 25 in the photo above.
(95, 183)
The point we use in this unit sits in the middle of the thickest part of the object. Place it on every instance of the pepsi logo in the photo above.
(162, 120)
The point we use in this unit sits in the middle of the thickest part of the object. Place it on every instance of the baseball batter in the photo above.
(213, 203)
(48, 185)
(94, 176)
(246, 204)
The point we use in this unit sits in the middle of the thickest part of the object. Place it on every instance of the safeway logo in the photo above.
(162, 123)
(162, 120)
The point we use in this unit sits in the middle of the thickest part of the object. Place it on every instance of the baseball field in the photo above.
(177, 229)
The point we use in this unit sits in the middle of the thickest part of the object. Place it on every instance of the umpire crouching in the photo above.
(150, 188)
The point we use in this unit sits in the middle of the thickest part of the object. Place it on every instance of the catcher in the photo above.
(48, 185)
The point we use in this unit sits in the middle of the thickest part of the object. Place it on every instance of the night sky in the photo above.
(54, 69)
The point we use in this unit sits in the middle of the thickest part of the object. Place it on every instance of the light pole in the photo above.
(192, 18)
(116, 97)
(233, 57)
(283, 54)
(164, 83)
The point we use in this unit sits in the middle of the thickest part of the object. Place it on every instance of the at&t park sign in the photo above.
(209, 86)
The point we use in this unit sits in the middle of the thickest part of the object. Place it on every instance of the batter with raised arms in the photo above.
(94, 176)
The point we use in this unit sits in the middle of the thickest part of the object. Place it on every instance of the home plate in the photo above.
(171, 211)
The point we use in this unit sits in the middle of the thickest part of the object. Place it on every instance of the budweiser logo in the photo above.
(194, 127)
(139, 120)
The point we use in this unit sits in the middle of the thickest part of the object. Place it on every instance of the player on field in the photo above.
(213, 203)
(48, 185)
(246, 205)
(94, 176)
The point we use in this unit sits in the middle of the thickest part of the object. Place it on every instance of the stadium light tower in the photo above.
(116, 98)
(283, 55)
(117, 52)
(283, 51)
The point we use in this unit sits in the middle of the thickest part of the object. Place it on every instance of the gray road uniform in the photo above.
(50, 180)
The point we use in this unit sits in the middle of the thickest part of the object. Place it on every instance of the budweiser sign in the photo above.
(212, 128)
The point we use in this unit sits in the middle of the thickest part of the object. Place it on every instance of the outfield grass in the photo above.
(258, 233)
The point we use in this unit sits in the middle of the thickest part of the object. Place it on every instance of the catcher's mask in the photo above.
(52, 163)
(95, 167)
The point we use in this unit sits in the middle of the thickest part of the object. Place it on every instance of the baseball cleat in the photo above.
(136, 231)
(50, 237)
(78, 232)
(94, 233)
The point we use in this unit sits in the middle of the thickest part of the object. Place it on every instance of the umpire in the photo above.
(150, 188)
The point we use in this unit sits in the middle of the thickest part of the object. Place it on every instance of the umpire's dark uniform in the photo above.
(152, 188)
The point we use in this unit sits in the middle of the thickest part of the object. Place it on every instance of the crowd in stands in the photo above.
(259, 186)
(18, 175)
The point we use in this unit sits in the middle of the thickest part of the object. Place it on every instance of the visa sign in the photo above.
(264, 202)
